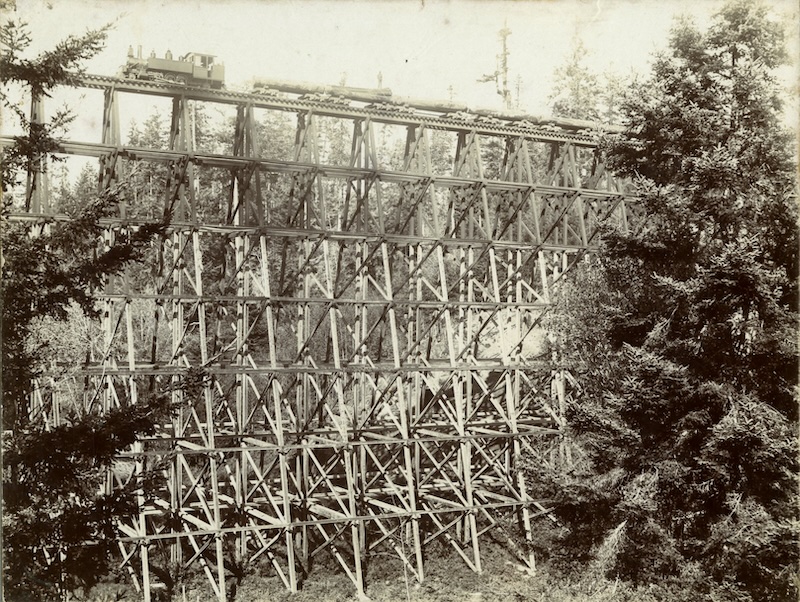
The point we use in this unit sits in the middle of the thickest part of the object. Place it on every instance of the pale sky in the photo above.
(421, 48)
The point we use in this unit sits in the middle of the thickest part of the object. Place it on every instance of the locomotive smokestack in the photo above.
(139, 51)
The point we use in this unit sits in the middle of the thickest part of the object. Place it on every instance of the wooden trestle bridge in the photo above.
(366, 325)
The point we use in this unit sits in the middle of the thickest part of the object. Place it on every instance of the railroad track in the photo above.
(393, 111)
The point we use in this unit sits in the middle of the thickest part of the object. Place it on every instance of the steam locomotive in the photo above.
(192, 69)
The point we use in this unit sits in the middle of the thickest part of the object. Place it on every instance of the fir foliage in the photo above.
(578, 93)
(681, 334)
(39, 75)
(58, 525)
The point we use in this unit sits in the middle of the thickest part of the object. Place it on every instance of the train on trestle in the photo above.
(192, 69)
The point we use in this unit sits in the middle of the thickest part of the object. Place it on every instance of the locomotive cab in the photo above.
(205, 68)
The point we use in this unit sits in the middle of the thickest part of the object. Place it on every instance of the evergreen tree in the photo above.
(575, 92)
(580, 94)
(39, 75)
(57, 527)
(681, 334)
